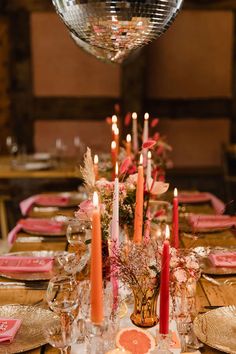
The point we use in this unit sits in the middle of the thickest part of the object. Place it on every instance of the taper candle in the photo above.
(175, 221)
(128, 145)
(96, 295)
(138, 219)
(113, 157)
(135, 132)
(95, 167)
(117, 139)
(145, 136)
(165, 285)
(149, 170)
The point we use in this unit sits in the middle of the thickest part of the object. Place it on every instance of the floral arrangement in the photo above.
(127, 188)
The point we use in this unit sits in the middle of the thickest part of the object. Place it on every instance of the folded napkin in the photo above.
(36, 225)
(223, 259)
(8, 329)
(201, 197)
(25, 264)
(43, 200)
(202, 221)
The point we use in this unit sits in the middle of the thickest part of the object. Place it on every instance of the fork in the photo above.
(228, 282)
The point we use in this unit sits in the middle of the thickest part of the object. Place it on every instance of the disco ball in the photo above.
(112, 29)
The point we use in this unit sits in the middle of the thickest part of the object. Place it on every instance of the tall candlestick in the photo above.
(113, 157)
(135, 132)
(115, 235)
(146, 127)
(95, 166)
(114, 119)
(165, 285)
(175, 221)
(149, 170)
(128, 145)
(138, 219)
(145, 136)
(96, 295)
(113, 129)
(117, 139)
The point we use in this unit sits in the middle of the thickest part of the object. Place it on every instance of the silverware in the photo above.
(212, 307)
(39, 239)
(24, 285)
(228, 282)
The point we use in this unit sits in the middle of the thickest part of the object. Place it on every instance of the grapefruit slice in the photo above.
(118, 351)
(135, 340)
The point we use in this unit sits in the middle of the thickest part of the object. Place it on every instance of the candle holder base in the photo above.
(163, 344)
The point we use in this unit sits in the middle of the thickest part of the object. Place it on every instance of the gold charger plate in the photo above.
(74, 198)
(208, 268)
(31, 276)
(30, 334)
(217, 328)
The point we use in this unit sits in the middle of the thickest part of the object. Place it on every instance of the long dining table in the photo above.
(208, 294)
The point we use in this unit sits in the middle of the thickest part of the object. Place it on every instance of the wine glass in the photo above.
(62, 339)
(78, 234)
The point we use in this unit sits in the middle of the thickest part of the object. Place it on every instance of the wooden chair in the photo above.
(229, 172)
(3, 216)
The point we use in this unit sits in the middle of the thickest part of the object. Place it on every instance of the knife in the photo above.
(23, 285)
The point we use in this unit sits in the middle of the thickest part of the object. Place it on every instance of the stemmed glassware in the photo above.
(62, 298)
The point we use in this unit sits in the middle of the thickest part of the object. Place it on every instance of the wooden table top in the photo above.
(66, 169)
(207, 293)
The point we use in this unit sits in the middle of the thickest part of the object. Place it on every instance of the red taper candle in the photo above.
(175, 221)
(165, 285)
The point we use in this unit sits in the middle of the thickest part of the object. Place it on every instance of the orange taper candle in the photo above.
(95, 166)
(96, 295)
(138, 219)
(128, 145)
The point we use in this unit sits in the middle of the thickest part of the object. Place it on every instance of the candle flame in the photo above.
(116, 131)
(141, 159)
(117, 169)
(113, 127)
(113, 145)
(95, 200)
(149, 154)
(95, 159)
(167, 232)
(134, 115)
(128, 138)
(175, 192)
(146, 116)
(114, 119)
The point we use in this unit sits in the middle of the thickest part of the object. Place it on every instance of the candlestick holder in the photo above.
(163, 344)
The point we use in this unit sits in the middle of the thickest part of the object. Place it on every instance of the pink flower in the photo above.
(132, 169)
(156, 136)
(127, 119)
(180, 275)
(125, 165)
(85, 210)
(132, 178)
(158, 188)
(149, 144)
(109, 120)
(154, 122)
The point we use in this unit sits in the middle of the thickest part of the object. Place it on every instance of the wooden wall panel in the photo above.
(61, 68)
(194, 58)
(196, 142)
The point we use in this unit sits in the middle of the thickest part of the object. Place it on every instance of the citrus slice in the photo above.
(135, 340)
(118, 351)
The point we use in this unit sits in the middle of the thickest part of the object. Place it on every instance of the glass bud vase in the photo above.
(145, 304)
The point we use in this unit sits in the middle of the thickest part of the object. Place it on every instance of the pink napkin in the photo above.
(36, 225)
(25, 264)
(224, 259)
(8, 329)
(201, 197)
(202, 221)
(43, 200)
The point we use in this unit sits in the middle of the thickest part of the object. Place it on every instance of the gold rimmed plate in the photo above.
(24, 276)
(30, 334)
(208, 268)
(217, 328)
(62, 232)
(74, 198)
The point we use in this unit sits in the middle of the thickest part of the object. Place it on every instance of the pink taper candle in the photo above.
(96, 295)
(175, 221)
(95, 166)
(165, 285)
(135, 132)
(138, 219)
